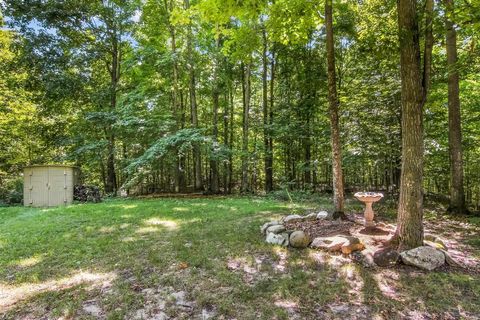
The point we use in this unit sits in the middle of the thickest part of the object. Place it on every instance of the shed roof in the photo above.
(51, 165)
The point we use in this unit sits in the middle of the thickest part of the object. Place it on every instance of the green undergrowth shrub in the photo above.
(11, 191)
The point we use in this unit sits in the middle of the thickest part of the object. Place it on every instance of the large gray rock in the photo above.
(434, 241)
(268, 224)
(299, 239)
(322, 215)
(364, 257)
(293, 218)
(449, 260)
(328, 243)
(279, 228)
(311, 216)
(336, 243)
(280, 239)
(386, 257)
(424, 257)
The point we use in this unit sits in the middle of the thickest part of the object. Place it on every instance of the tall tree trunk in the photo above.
(308, 154)
(270, 123)
(457, 196)
(197, 157)
(179, 173)
(246, 109)
(427, 54)
(338, 197)
(409, 232)
(225, 141)
(114, 70)
(231, 135)
(215, 97)
(268, 159)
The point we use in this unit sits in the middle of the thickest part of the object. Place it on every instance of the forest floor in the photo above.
(205, 258)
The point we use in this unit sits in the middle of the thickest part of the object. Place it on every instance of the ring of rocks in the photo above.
(318, 231)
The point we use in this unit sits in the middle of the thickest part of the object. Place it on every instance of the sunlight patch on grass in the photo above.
(10, 295)
(144, 230)
(180, 209)
(337, 261)
(352, 276)
(282, 255)
(387, 283)
(107, 229)
(199, 204)
(226, 207)
(129, 206)
(128, 239)
(171, 225)
(29, 262)
(265, 212)
(319, 257)
(288, 305)
(126, 216)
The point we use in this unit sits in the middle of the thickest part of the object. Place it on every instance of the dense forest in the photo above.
(224, 96)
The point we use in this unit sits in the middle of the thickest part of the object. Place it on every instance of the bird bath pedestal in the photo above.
(368, 198)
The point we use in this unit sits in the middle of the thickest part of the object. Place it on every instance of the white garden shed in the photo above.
(49, 185)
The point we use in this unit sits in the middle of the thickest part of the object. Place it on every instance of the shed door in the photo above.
(57, 185)
(39, 187)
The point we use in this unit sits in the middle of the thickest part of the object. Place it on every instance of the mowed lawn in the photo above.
(198, 259)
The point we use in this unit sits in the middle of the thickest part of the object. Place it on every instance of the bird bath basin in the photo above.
(368, 198)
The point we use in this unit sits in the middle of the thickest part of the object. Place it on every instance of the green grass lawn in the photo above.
(199, 258)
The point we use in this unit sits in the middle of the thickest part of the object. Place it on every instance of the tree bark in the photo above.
(457, 196)
(197, 157)
(427, 55)
(179, 170)
(225, 142)
(338, 196)
(246, 110)
(114, 70)
(215, 97)
(270, 122)
(409, 232)
(268, 158)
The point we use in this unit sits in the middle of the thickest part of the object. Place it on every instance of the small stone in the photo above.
(208, 314)
(328, 243)
(311, 216)
(352, 244)
(293, 218)
(180, 299)
(382, 225)
(276, 229)
(159, 316)
(449, 260)
(423, 257)
(349, 248)
(265, 226)
(435, 245)
(322, 215)
(140, 314)
(299, 239)
(386, 257)
(92, 308)
(279, 239)
(340, 308)
(365, 257)
(440, 241)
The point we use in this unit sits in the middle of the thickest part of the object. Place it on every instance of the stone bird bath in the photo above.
(368, 198)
